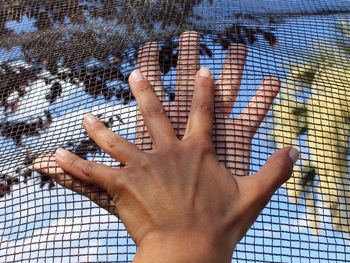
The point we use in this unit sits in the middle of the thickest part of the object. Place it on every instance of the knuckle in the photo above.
(142, 86)
(113, 143)
(206, 84)
(201, 145)
(153, 110)
(89, 169)
(124, 184)
(122, 181)
(73, 161)
(97, 127)
(206, 108)
(279, 163)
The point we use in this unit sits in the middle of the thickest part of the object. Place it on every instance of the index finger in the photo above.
(153, 113)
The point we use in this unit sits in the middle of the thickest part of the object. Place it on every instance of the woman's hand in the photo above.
(232, 137)
(177, 201)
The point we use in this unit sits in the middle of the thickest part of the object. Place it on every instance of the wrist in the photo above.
(185, 247)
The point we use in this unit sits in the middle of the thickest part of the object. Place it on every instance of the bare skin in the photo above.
(233, 148)
(177, 200)
(232, 137)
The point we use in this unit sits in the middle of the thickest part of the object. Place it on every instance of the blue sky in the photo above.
(60, 223)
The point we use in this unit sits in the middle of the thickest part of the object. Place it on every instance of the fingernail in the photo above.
(294, 154)
(90, 118)
(136, 75)
(61, 153)
(204, 72)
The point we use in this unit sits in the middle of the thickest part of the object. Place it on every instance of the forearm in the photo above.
(184, 248)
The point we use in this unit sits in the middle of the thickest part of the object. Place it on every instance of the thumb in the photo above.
(277, 170)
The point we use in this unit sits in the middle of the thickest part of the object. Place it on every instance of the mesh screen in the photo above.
(62, 59)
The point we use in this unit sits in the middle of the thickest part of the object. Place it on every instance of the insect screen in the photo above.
(60, 60)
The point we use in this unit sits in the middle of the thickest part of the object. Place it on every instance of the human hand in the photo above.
(178, 195)
(232, 137)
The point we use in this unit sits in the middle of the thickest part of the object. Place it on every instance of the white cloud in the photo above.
(75, 235)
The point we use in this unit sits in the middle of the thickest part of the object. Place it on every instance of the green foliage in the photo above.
(326, 116)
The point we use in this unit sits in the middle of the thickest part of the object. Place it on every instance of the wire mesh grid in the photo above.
(62, 59)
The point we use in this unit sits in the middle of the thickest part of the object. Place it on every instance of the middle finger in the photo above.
(187, 67)
(116, 146)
